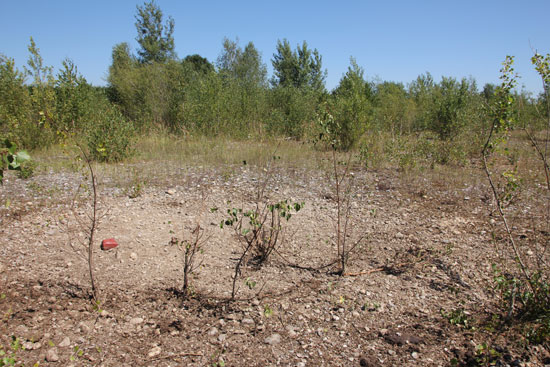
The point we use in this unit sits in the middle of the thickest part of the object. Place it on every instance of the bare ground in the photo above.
(427, 253)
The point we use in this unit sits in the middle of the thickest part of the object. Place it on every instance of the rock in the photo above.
(51, 355)
(247, 321)
(136, 321)
(84, 327)
(65, 342)
(155, 351)
(133, 256)
(273, 339)
(414, 355)
(2, 268)
(222, 337)
(368, 362)
(213, 331)
(291, 332)
(171, 192)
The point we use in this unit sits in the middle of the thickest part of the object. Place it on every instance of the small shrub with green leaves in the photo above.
(11, 158)
(109, 135)
(260, 230)
(263, 232)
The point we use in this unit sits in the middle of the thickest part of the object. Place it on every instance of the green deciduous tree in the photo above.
(198, 64)
(301, 68)
(352, 105)
(155, 38)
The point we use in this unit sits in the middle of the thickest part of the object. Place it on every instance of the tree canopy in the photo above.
(155, 38)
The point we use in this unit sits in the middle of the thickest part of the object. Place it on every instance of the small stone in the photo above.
(213, 331)
(414, 355)
(382, 332)
(104, 313)
(273, 339)
(255, 302)
(399, 235)
(136, 321)
(247, 321)
(155, 351)
(239, 331)
(171, 192)
(291, 332)
(51, 355)
(2, 268)
(391, 352)
(222, 337)
(84, 328)
(133, 256)
(65, 342)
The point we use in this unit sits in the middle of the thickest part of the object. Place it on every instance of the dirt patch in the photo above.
(425, 255)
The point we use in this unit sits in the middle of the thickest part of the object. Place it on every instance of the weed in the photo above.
(77, 353)
(485, 355)
(9, 357)
(260, 230)
(268, 312)
(457, 317)
(190, 250)
(27, 169)
(342, 180)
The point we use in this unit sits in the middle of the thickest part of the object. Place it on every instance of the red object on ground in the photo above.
(108, 244)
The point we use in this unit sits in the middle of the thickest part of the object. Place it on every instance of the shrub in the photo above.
(109, 136)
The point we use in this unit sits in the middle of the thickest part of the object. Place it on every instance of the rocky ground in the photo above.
(418, 289)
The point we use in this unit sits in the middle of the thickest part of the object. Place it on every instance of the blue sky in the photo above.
(391, 40)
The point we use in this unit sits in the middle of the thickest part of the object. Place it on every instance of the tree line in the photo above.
(233, 96)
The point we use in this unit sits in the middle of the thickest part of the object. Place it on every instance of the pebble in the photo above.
(273, 339)
(171, 192)
(84, 328)
(213, 331)
(2, 268)
(51, 355)
(414, 355)
(136, 321)
(155, 351)
(133, 256)
(65, 342)
(247, 321)
(291, 332)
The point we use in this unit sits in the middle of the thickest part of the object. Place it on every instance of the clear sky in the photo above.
(391, 40)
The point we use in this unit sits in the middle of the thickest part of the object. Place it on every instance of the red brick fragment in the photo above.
(108, 244)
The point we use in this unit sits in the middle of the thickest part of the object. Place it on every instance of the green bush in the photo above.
(109, 136)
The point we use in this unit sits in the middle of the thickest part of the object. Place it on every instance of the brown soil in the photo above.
(427, 253)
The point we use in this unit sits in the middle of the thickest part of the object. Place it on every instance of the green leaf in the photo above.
(23, 156)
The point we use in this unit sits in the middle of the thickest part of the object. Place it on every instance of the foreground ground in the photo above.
(419, 290)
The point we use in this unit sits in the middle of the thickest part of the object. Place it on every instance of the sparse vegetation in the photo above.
(434, 154)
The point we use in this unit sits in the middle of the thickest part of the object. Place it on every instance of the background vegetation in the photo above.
(428, 121)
